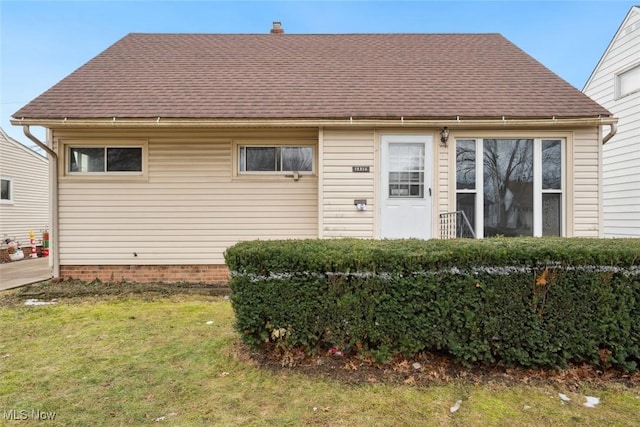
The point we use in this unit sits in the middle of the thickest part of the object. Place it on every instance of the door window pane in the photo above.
(406, 170)
(508, 187)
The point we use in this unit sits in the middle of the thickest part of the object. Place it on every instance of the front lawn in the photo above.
(176, 360)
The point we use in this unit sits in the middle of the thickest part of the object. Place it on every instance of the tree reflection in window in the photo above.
(124, 159)
(466, 164)
(276, 159)
(297, 159)
(551, 168)
(508, 187)
(261, 159)
(466, 178)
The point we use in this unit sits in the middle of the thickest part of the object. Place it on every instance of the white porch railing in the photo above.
(455, 225)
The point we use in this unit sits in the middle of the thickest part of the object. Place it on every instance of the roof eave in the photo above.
(315, 122)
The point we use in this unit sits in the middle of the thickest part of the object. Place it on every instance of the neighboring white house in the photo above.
(615, 84)
(24, 204)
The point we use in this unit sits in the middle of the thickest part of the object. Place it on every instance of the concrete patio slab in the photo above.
(24, 272)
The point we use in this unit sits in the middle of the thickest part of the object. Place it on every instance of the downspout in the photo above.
(605, 139)
(611, 134)
(54, 199)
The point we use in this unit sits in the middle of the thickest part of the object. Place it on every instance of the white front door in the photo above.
(406, 162)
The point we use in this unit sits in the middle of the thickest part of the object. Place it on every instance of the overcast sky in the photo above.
(41, 42)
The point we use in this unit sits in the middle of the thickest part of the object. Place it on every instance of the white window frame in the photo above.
(537, 184)
(634, 71)
(105, 144)
(409, 182)
(478, 201)
(241, 146)
(538, 191)
(8, 201)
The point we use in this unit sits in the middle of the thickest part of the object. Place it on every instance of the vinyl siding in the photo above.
(29, 174)
(621, 155)
(343, 149)
(445, 185)
(583, 184)
(191, 204)
(190, 207)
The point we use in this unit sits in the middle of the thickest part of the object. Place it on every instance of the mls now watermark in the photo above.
(28, 414)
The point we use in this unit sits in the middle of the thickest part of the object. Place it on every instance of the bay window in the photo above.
(516, 190)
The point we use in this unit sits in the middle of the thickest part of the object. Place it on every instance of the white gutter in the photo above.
(54, 199)
(459, 123)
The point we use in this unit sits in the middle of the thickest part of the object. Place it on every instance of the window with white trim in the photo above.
(406, 170)
(552, 194)
(6, 190)
(516, 190)
(104, 159)
(628, 82)
(275, 159)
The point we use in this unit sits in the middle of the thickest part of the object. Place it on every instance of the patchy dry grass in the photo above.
(176, 359)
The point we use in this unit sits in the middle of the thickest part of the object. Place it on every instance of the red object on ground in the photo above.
(34, 253)
(45, 244)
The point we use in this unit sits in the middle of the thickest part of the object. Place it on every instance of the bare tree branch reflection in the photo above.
(508, 187)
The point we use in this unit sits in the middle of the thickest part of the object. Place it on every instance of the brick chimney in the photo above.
(277, 28)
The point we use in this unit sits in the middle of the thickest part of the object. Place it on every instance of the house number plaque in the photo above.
(360, 169)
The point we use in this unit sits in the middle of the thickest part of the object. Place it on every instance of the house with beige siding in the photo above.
(615, 84)
(24, 195)
(170, 148)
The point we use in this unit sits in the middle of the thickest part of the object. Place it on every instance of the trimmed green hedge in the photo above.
(535, 302)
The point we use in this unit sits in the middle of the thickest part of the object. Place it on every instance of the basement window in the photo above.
(104, 159)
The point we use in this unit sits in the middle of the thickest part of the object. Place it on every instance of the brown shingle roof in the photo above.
(429, 76)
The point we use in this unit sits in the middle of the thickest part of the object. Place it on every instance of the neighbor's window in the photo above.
(628, 82)
(105, 159)
(275, 158)
(6, 190)
(509, 193)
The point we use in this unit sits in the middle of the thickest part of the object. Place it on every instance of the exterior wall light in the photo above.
(444, 136)
(361, 205)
